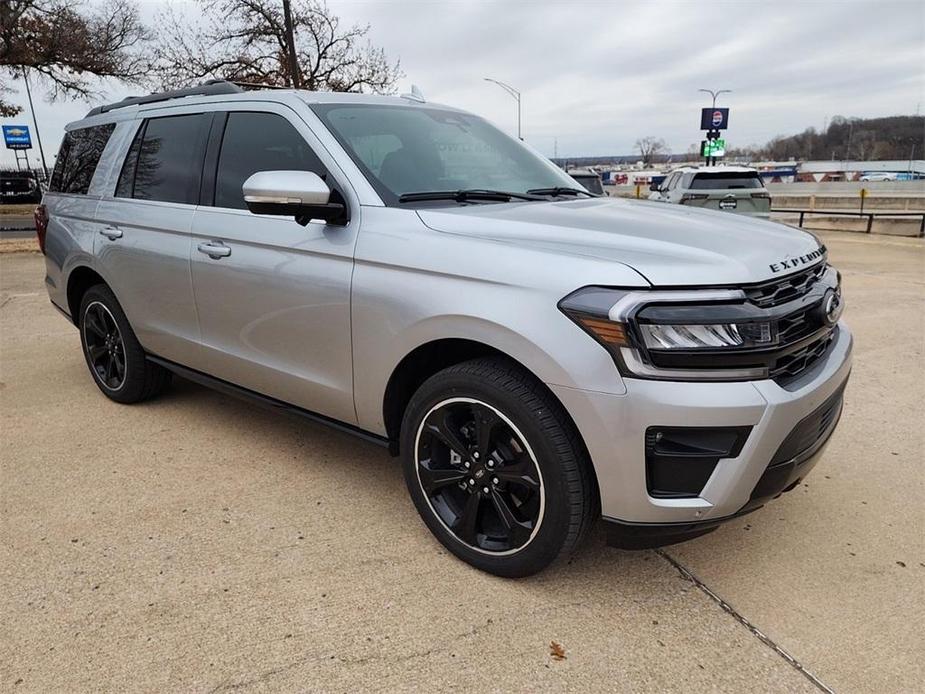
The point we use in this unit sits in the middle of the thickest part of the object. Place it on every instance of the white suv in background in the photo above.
(728, 188)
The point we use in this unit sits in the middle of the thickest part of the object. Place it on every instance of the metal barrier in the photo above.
(852, 213)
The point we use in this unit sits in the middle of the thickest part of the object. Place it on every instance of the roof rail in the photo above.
(205, 89)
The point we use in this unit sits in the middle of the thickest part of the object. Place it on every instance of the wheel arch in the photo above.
(79, 280)
(427, 359)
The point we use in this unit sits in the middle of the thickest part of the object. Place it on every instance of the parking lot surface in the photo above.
(198, 543)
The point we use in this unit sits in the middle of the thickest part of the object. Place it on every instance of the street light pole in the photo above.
(714, 94)
(35, 123)
(514, 93)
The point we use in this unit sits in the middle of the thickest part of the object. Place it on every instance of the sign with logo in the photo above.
(714, 119)
(17, 137)
(713, 148)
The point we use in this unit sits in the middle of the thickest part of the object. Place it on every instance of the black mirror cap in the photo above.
(654, 187)
(332, 212)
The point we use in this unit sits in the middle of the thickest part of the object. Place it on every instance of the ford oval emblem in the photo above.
(831, 307)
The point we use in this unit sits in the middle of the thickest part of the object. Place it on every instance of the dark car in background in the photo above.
(19, 187)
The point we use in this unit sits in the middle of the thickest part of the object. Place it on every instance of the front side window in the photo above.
(411, 149)
(80, 153)
(258, 142)
(165, 160)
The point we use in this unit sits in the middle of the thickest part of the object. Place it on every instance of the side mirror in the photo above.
(300, 194)
(655, 187)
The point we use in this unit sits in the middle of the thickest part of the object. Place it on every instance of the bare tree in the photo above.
(246, 40)
(650, 147)
(63, 43)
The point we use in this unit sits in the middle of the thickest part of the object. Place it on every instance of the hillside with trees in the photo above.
(894, 137)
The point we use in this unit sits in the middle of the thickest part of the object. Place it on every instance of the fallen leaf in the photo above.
(556, 650)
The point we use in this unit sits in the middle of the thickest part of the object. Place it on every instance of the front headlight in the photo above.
(631, 324)
(707, 336)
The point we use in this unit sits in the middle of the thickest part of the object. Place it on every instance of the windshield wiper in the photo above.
(467, 195)
(558, 192)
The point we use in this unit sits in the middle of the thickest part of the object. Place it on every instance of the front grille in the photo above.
(812, 431)
(792, 365)
(785, 289)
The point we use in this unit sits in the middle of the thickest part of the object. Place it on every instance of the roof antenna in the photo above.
(415, 95)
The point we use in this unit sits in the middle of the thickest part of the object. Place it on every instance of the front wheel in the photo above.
(495, 467)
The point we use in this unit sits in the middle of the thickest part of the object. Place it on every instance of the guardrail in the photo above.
(853, 213)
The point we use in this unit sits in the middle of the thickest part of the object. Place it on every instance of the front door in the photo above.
(273, 297)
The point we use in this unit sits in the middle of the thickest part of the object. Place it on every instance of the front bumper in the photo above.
(614, 427)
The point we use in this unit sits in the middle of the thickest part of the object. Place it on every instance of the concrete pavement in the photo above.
(198, 543)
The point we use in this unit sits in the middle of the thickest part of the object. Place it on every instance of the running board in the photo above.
(265, 401)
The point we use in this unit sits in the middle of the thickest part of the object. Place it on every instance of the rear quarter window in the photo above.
(78, 157)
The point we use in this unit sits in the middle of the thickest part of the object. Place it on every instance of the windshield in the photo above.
(414, 149)
(726, 180)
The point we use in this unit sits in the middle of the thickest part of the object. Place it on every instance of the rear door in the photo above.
(143, 241)
(274, 302)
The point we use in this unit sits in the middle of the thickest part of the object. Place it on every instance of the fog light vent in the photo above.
(680, 460)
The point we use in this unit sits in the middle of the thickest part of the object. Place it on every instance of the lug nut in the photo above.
(476, 455)
(471, 481)
(494, 480)
(491, 463)
(466, 464)
(486, 490)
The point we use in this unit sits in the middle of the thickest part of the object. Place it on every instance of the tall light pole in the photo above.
(516, 94)
(38, 137)
(714, 94)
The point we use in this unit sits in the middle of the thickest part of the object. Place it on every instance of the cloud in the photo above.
(595, 76)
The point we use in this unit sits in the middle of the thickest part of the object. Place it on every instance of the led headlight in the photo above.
(707, 335)
(636, 325)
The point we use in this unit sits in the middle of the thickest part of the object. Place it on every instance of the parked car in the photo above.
(879, 176)
(589, 180)
(538, 357)
(728, 188)
(19, 187)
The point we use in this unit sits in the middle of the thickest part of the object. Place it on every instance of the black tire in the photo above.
(105, 332)
(562, 506)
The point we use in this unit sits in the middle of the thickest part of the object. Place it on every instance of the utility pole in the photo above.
(514, 93)
(294, 80)
(35, 123)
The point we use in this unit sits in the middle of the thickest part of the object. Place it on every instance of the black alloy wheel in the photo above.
(480, 476)
(104, 344)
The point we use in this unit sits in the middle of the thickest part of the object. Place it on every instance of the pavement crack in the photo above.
(741, 619)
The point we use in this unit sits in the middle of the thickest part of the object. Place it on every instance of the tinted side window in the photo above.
(127, 176)
(258, 142)
(80, 153)
(169, 163)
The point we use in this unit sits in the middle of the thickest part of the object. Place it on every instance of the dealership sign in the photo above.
(714, 118)
(17, 137)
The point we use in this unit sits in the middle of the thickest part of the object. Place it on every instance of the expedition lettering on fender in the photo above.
(537, 355)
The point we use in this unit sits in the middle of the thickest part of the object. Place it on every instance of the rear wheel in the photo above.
(114, 356)
(495, 467)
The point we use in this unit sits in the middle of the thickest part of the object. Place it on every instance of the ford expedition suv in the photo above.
(537, 356)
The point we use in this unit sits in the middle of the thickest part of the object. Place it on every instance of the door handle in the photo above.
(214, 250)
(112, 233)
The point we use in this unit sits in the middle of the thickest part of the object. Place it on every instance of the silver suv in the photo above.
(729, 188)
(537, 356)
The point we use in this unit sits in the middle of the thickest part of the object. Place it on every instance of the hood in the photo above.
(667, 244)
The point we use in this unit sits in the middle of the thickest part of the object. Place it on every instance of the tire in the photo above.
(538, 498)
(107, 341)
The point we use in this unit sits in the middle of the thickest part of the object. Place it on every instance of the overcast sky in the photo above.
(596, 76)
